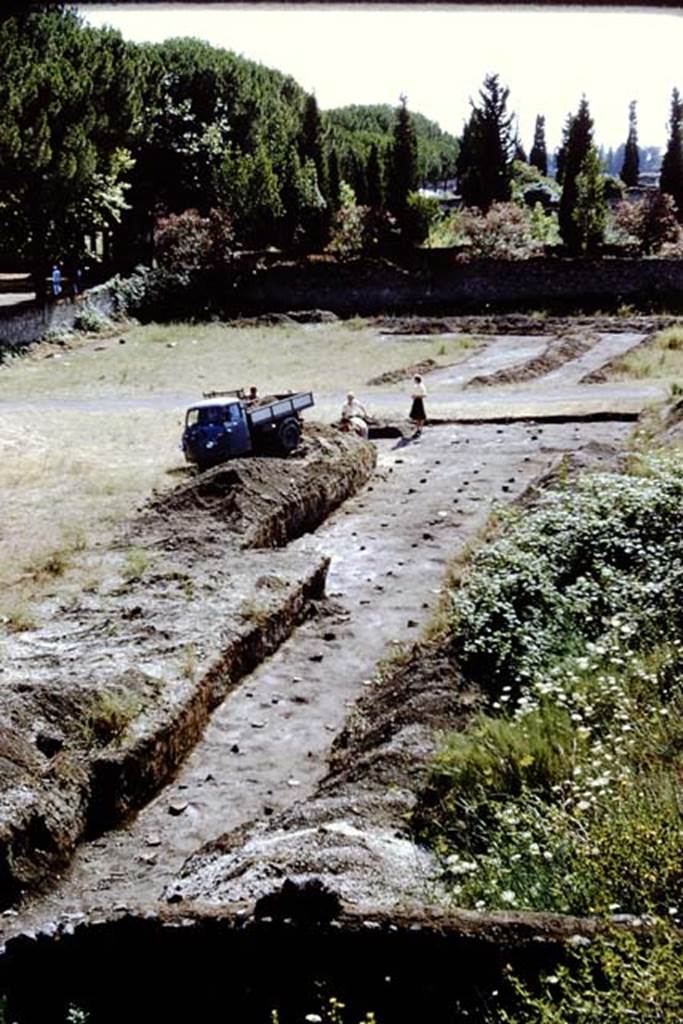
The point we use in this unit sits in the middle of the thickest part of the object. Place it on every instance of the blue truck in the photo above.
(225, 425)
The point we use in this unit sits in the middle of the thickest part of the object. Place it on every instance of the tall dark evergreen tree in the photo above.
(374, 178)
(538, 157)
(333, 179)
(402, 164)
(631, 165)
(671, 177)
(487, 148)
(577, 143)
(520, 153)
(311, 146)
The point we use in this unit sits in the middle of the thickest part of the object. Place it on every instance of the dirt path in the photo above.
(608, 347)
(266, 746)
(499, 353)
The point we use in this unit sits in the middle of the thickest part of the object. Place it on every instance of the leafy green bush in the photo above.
(91, 321)
(620, 976)
(610, 546)
(565, 796)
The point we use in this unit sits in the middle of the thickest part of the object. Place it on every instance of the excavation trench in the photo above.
(266, 797)
(102, 703)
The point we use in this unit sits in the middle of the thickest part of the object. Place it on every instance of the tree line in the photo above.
(98, 134)
(490, 151)
(101, 135)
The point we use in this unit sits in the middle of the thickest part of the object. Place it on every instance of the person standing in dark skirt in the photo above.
(417, 409)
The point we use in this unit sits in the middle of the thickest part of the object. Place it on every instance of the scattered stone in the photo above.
(148, 858)
(177, 808)
(316, 657)
(411, 624)
(329, 636)
(234, 749)
(293, 782)
(153, 839)
(258, 724)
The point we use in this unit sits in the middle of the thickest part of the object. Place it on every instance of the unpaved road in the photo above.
(267, 744)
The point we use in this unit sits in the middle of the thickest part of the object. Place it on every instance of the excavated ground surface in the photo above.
(102, 703)
(266, 747)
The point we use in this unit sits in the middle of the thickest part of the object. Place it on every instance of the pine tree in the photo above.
(671, 177)
(577, 143)
(487, 148)
(402, 164)
(69, 111)
(538, 157)
(630, 167)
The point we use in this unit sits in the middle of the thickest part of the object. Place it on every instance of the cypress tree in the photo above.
(576, 145)
(538, 157)
(487, 149)
(630, 166)
(373, 175)
(671, 177)
(311, 139)
(333, 179)
(520, 153)
(402, 166)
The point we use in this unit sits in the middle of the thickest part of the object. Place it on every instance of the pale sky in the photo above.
(438, 56)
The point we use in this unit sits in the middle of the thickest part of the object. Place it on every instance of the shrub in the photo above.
(619, 976)
(421, 213)
(91, 321)
(565, 795)
(503, 232)
(650, 221)
(187, 241)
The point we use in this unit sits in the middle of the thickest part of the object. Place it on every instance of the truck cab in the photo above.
(215, 431)
(222, 428)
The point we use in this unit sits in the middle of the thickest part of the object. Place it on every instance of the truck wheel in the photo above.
(289, 434)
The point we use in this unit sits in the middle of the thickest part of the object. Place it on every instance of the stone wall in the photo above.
(27, 322)
(437, 283)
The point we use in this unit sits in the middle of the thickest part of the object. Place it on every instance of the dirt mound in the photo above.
(555, 355)
(521, 323)
(672, 428)
(266, 501)
(312, 316)
(403, 372)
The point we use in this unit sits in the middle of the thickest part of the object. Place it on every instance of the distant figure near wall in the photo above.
(56, 281)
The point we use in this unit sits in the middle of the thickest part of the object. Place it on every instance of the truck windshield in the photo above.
(213, 414)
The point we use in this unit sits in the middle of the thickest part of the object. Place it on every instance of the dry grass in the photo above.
(660, 359)
(86, 432)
